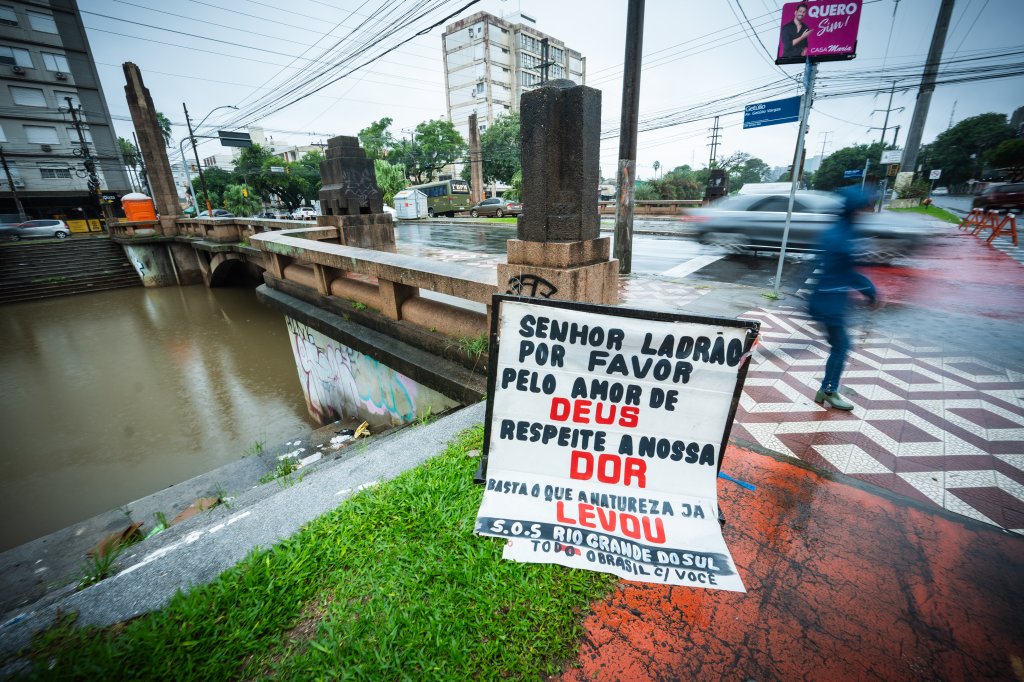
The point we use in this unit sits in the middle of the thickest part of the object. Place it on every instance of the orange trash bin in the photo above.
(138, 206)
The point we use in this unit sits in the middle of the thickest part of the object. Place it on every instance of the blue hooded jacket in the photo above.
(838, 276)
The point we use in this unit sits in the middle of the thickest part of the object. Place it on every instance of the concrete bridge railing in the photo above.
(390, 283)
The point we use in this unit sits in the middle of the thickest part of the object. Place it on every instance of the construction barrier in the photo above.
(978, 221)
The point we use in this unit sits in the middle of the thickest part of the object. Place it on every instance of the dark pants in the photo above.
(839, 341)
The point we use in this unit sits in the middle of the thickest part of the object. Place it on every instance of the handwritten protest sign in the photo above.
(605, 433)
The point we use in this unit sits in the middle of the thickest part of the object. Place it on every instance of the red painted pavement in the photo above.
(843, 584)
(957, 273)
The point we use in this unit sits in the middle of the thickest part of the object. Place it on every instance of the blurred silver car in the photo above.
(757, 221)
(35, 228)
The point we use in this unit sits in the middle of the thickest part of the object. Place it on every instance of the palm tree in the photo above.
(165, 127)
(657, 165)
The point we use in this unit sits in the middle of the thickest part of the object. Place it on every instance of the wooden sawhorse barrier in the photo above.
(981, 220)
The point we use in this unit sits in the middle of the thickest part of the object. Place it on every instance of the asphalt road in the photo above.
(960, 205)
(654, 255)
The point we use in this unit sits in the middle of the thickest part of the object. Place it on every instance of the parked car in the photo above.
(217, 213)
(304, 213)
(496, 207)
(1004, 197)
(35, 228)
(393, 212)
(757, 221)
(940, 191)
(268, 215)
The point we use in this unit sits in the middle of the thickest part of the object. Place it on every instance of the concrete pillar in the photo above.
(153, 148)
(559, 252)
(350, 198)
(476, 164)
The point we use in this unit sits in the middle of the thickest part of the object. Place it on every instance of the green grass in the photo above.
(474, 346)
(390, 585)
(932, 211)
(283, 469)
(482, 219)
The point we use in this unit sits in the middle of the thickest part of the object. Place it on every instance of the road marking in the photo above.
(691, 266)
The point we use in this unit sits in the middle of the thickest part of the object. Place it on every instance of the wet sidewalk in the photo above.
(843, 583)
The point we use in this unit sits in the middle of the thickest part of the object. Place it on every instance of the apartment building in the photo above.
(489, 62)
(45, 63)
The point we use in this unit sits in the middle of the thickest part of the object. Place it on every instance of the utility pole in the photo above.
(545, 51)
(10, 183)
(825, 135)
(87, 161)
(199, 167)
(627, 136)
(924, 93)
(810, 72)
(715, 135)
(895, 135)
(888, 109)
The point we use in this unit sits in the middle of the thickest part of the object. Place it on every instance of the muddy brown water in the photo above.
(111, 396)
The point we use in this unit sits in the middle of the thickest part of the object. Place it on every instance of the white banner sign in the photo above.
(604, 440)
(891, 156)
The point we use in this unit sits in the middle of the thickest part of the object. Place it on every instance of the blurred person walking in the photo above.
(830, 300)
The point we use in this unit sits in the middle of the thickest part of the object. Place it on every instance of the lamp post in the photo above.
(195, 151)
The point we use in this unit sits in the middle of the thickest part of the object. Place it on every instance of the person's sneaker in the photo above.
(833, 399)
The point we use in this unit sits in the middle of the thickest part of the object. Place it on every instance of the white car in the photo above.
(304, 213)
(393, 212)
(940, 191)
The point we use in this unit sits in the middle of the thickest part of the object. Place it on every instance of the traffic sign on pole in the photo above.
(855, 173)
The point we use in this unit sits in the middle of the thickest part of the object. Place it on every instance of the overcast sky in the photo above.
(209, 53)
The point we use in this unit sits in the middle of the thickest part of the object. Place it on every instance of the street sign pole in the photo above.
(863, 178)
(810, 71)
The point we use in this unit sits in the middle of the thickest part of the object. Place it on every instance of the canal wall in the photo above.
(164, 264)
(339, 381)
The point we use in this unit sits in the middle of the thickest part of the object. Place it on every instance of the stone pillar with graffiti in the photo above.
(350, 198)
(559, 252)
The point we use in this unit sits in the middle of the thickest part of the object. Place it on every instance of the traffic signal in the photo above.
(245, 192)
(288, 170)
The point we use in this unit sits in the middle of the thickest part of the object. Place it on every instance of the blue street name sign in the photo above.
(771, 113)
(853, 173)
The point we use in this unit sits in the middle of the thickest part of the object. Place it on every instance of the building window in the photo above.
(73, 135)
(55, 62)
(42, 135)
(28, 97)
(62, 99)
(15, 56)
(7, 16)
(55, 173)
(3, 135)
(43, 23)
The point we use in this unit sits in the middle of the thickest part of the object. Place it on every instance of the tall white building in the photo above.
(489, 62)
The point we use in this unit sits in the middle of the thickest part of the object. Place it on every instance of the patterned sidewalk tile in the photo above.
(940, 428)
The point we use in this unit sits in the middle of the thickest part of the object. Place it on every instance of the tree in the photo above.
(515, 192)
(830, 173)
(435, 145)
(377, 139)
(390, 178)
(250, 164)
(131, 155)
(165, 127)
(291, 188)
(310, 163)
(960, 151)
(499, 147)
(751, 170)
(236, 201)
(217, 180)
(657, 165)
(1009, 155)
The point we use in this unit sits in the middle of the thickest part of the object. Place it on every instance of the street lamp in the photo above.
(199, 167)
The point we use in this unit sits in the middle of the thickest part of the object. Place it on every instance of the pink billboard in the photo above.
(823, 30)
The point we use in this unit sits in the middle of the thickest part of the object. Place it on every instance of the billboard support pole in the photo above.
(810, 71)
